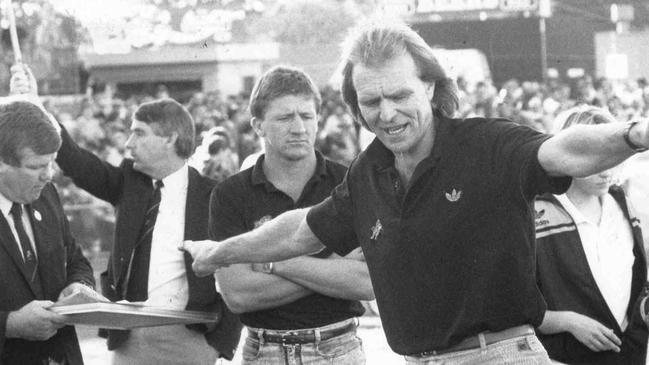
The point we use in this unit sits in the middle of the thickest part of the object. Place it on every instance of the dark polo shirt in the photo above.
(247, 200)
(453, 254)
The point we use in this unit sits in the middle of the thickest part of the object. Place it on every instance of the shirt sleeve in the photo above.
(332, 220)
(226, 218)
(515, 155)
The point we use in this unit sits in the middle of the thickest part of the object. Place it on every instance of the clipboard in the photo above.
(90, 308)
(128, 315)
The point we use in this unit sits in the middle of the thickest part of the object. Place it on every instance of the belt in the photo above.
(302, 336)
(473, 342)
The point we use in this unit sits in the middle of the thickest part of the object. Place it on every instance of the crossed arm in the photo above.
(246, 289)
(286, 236)
(284, 240)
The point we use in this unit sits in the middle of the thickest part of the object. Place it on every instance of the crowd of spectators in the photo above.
(100, 123)
(538, 104)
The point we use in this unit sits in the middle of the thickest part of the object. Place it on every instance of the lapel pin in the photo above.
(37, 215)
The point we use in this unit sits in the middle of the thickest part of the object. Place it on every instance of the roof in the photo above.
(197, 53)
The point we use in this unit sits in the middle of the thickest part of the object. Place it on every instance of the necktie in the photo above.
(138, 280)
(29, 257)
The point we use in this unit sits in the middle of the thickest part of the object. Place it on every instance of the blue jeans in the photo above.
(523, 350)
(346, 349)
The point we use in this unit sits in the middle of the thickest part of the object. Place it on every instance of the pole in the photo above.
(544, 49)
(13, 31)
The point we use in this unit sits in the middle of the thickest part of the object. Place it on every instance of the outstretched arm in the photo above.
(286, 236)
(583, 150)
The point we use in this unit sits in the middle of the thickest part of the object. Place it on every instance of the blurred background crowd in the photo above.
(225, 138)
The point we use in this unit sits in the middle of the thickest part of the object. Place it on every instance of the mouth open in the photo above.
(395, 130)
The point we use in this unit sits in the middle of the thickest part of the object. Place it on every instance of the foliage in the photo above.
(48, 41)
(309, 21)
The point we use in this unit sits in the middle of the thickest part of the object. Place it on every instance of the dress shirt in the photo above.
(167, 284)
(609, 250)
(5, 207)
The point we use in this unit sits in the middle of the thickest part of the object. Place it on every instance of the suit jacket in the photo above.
(128, 191)
(60, 263)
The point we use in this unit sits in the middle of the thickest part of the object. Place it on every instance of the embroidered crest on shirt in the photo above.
(262, 220)
(376, 230)
(454, 195)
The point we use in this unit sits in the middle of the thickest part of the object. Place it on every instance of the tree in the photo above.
(309, 21)
(49, 40)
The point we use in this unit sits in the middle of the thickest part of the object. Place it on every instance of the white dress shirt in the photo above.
(609, 250)
(5, 208)
(167, 285)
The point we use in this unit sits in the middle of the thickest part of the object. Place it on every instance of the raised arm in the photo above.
(583, 150)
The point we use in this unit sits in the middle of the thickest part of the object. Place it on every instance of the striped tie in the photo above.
(137, 289)
(29, 257)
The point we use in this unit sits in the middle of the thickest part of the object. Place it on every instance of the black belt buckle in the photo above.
(294, 339)
(289, 338)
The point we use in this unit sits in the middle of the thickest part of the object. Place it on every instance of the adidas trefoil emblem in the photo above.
(454, 195)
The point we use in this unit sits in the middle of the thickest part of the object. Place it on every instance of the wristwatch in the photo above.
(627, 138)
(267, 267)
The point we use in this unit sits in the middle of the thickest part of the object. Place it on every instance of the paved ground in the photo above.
(370, 331)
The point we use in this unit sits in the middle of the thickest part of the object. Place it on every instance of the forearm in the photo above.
(286, 236)
(245, 290)
(556, 322)
(335, 277)
(582, 150)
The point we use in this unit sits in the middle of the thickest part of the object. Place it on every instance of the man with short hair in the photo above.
(301, 310)
(441, 207)
(39, 259)
(160, 201)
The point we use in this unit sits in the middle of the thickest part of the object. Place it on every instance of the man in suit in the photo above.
(39, 259)
(160, 201)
